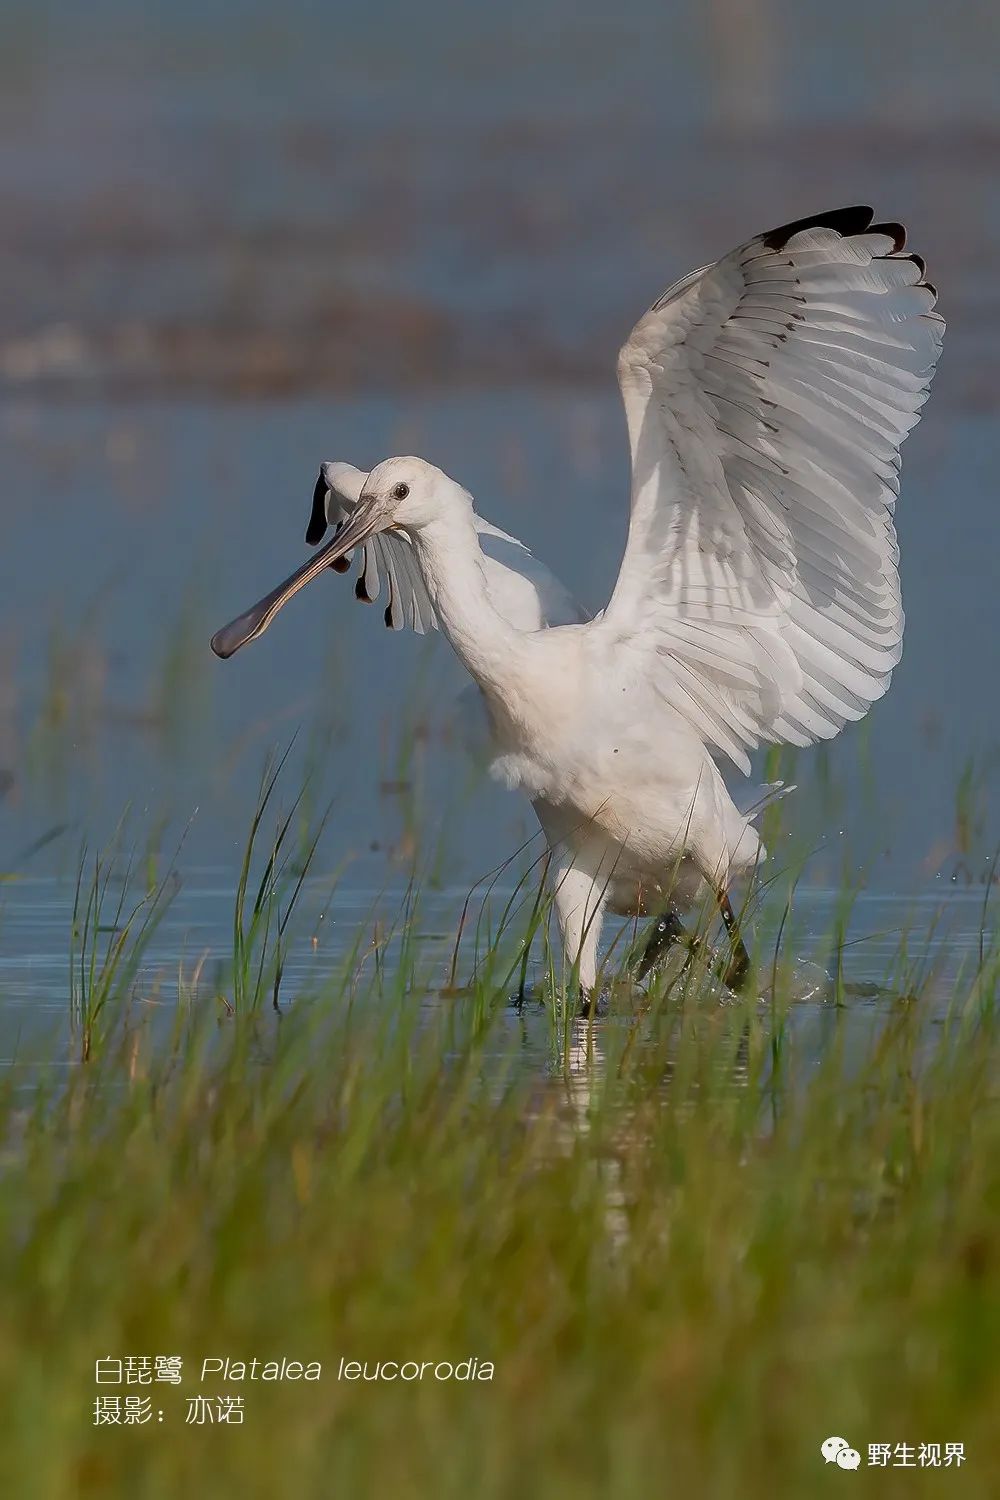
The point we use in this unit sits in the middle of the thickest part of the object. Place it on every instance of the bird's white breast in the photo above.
(583, 729)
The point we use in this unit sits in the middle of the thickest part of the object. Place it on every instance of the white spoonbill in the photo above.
(766, 397)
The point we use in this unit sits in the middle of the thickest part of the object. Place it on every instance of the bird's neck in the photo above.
(451, 562)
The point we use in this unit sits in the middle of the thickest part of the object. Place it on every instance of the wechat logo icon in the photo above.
(837, 1450)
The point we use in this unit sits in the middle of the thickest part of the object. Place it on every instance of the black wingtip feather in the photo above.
(360, 592)
(316, 530)
(918, 261)
(845, 221)
(895, 232)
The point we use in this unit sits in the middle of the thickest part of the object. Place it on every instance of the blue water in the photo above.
(242, 239)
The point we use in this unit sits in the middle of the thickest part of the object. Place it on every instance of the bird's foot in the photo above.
(737, 970)
(667, 930)
(593, 1002)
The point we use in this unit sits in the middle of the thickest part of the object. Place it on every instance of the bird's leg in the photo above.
(738, 966)
(666, 930)
(579, 901)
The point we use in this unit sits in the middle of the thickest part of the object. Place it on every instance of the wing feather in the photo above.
(767, 397)
(523, 589)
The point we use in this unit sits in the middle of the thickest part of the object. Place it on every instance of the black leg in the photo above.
(667, 929)
(739, 963)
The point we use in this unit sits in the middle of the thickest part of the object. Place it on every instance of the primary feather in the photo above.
(766, 398)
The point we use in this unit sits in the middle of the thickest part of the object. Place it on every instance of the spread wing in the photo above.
(523, 590)
(766, 398)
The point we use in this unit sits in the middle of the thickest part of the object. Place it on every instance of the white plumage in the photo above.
(766, 398)
(523, 589)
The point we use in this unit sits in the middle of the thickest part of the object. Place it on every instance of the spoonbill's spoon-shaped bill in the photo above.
(255, 620)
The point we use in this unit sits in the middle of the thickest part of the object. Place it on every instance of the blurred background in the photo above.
(241, 238)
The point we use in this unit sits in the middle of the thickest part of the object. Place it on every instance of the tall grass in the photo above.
(694, 1240)
(110, 933)
(669, 1276)
(260, 924)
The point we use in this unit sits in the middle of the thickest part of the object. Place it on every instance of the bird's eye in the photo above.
(401, 491)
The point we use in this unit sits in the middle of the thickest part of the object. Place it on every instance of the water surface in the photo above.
(242, 242)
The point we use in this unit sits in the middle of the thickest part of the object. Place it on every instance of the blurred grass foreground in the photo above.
(675, 1263)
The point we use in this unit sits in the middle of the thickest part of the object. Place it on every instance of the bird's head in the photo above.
(400, 494)
(412, 493)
